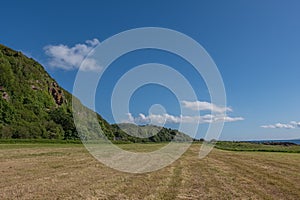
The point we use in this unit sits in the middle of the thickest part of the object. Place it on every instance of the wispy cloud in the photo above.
(70, 58)
(203, 105)
(171, 119)
(291, 125)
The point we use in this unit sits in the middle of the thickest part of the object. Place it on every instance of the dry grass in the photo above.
(68, 171)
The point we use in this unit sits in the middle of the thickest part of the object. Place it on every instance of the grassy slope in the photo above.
(68, 171)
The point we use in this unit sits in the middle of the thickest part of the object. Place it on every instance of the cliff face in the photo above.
(56, 93)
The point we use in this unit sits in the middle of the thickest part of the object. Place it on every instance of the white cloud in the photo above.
(290, 125)
(295, 123)
(193, 105)
(70, 58)
(171, 119)
(202, 105)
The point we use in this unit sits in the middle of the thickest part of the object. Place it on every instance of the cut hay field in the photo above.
(68, 171)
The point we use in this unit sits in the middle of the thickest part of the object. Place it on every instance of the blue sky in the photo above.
(255, 44)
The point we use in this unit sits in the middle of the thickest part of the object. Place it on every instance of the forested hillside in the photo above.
(33, 105)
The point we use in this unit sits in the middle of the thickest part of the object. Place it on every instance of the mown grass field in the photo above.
(68, 171)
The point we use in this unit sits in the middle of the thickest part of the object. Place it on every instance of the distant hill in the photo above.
(33, 105)
(147, 133)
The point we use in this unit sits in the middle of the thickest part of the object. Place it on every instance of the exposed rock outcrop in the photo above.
(34, 87)
(5, 96)
(57, 93)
